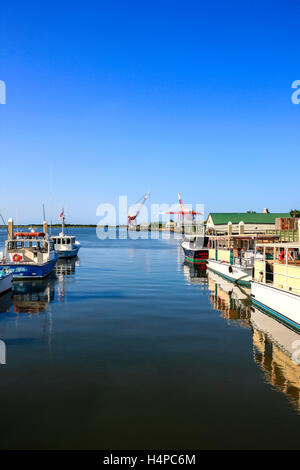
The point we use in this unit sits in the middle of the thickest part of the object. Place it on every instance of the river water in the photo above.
(128, 347)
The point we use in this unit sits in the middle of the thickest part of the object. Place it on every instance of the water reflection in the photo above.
(5, 302)
(276, 348)
(65, 270)
(233, 301)
(276, 351)
(195, 274)
(33, 296)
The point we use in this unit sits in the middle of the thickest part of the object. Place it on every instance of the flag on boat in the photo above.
(60, 215)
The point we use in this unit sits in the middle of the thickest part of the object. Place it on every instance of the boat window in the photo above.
(68, 241)
(63, 241)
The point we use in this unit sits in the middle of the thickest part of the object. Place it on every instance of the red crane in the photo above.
(133, 216)
(182, 212)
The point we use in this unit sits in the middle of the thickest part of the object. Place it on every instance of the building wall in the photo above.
(249, 228)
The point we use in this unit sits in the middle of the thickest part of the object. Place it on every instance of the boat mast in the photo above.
(63, 223)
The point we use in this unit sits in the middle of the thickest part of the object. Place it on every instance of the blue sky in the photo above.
(116, 98)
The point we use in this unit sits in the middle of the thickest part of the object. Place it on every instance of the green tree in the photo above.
(295, 213)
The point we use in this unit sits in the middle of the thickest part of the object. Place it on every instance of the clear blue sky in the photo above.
(109, 98)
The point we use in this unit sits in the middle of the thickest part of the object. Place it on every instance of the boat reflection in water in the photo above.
(232, 300)
(5, 302)
(195, 274)
(65, 269)
(277, 352)
(33, 296)
(276, 348)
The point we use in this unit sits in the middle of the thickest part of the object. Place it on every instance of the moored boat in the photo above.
(233, 256)
(195, 248)
(276, 285)
(5, 280)
(28, 254)
(66, 246)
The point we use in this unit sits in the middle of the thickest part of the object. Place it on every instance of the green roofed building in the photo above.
(217, 222)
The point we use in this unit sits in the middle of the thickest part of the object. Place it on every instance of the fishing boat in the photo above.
(233, 256)
(276, 285)
(66, 246)
(28, 254)
(5, 280)
(195, 248)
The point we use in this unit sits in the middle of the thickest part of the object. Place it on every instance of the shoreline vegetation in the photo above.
(143, 227)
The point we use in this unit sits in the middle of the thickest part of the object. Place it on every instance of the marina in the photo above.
(149, 231)
(122, 309)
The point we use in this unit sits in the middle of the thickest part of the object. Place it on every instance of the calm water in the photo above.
(127, 347)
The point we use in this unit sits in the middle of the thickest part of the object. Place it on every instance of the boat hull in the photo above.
(33, 270)
(67, 253)
(6, 283)
(195, 256)
(283, 305)
(239, 275)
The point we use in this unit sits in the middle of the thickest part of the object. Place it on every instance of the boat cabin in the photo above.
(279, 266)
(237, 249)
(63, 240)
(28, 247)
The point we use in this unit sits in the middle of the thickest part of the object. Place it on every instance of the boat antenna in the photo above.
(44, 212)
(50, 213)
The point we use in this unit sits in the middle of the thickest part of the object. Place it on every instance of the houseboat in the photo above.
(195, 248)
(276, 285)
(66, 246)
(232, 256)
(5, 280)
(28, 254)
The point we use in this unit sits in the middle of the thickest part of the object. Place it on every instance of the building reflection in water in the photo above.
(276, 348)
(195, 275)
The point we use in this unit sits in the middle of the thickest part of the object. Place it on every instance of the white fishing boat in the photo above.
(28, 254)
(66, 246)
(6, 277)
(276, 285)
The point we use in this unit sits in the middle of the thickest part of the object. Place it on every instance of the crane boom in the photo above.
(132, 218)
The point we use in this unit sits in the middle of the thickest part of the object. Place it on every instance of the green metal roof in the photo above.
(222, 218)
